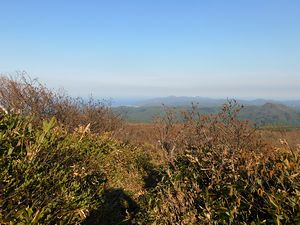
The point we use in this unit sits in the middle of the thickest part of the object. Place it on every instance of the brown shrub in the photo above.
(221, 172)
(29, 97)
(193, 131)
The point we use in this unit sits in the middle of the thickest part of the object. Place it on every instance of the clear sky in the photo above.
(212, 48)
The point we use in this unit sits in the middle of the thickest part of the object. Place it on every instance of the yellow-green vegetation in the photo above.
(211, 169)
(49, 175)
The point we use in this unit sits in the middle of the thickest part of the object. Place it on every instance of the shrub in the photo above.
(47, 175)
(50, 175)
(29, 97)
(222, 173)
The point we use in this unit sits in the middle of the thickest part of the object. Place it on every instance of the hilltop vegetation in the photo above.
(212, 169)
(31, 98)
(269, 114)
(174, 101)
(272, 114)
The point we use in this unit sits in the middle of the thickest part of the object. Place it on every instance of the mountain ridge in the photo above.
(261, 115)
(211, 102)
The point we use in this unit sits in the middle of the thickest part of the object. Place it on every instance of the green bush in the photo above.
(47, 175)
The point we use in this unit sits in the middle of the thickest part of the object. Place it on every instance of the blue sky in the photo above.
(244, 49)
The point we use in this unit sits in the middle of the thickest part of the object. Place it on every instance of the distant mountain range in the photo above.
(261, 112)
(211, 102)
(272, 114)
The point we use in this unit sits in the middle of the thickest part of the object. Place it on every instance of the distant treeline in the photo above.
(269, 114)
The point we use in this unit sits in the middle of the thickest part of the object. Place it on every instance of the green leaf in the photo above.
(10, 151)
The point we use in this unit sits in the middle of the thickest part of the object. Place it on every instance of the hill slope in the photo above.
(210, 102)
(267, 114)
(272, 114)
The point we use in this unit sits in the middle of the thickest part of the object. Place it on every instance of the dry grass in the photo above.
(140, 133)
(273, 136)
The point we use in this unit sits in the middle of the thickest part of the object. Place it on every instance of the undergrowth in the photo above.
(212, 169)
(223, 173)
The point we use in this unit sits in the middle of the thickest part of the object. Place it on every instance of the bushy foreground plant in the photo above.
(47, 175)
(52, 176)
(220, 172)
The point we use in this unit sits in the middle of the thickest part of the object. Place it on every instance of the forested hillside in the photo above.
(269, 114)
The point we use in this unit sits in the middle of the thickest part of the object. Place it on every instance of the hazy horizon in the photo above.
(125, 49)
(136, 100)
